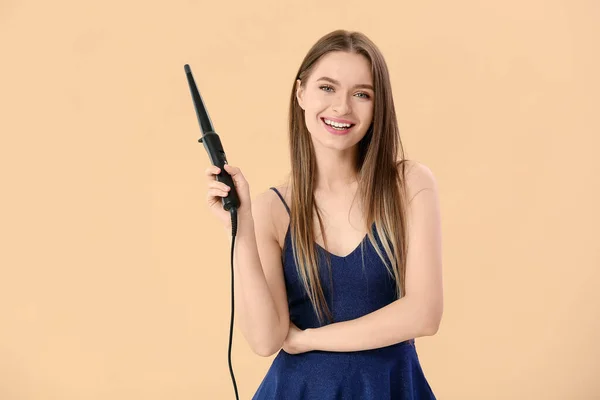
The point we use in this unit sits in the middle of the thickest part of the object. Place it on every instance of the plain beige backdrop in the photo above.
(114, 277)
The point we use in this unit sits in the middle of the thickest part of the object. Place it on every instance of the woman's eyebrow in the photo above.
(360, 85)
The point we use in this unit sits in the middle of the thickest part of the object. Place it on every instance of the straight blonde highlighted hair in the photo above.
(381, 177)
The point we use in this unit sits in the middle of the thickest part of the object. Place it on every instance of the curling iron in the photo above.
(216, 154)
(212, 143)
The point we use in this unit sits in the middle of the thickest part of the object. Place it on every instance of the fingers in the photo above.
(214, 170)
(212, 193)
(218, 185)
(236, 175)
(211, 172)
(231, 170)
(216, 189)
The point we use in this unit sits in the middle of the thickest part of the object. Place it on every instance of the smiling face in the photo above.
(337, 99)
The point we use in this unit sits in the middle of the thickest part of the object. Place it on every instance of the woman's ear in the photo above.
(300, 93)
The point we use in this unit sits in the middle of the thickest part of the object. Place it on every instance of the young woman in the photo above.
(315, 282)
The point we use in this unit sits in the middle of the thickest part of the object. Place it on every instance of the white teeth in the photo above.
(336, 124)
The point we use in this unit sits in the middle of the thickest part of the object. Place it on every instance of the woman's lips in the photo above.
(335, 131)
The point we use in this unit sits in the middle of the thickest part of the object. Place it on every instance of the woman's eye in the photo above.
(364, 95)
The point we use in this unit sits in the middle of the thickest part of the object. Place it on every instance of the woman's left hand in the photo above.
(296, 341)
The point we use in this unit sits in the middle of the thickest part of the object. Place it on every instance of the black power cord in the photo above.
(233, 212)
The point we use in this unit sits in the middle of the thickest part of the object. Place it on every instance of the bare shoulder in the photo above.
(269, 213)
(262, 210)
(418, 177)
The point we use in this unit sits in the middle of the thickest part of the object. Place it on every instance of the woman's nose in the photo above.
(341, 104)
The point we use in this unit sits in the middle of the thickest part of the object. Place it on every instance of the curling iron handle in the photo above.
(212, 144)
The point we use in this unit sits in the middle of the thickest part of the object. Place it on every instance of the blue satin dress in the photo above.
(392, 372)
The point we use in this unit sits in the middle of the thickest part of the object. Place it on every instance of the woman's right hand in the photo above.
(218, 190)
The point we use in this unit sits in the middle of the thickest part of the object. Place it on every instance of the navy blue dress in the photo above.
(392, 372)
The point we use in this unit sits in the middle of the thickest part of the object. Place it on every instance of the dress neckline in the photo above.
(321, 248)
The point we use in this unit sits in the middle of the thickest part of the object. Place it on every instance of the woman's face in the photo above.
(339, 91)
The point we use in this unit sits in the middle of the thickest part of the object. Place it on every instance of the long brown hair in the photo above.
(381, 187)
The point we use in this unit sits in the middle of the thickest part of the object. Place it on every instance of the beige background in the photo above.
(115, 279)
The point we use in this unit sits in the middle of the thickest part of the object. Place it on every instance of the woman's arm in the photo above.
(419, 312)
(262, 306)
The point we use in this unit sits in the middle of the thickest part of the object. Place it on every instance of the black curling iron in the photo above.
(231, 203)
(212, 143)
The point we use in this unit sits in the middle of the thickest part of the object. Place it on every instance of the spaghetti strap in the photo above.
(282, 200)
